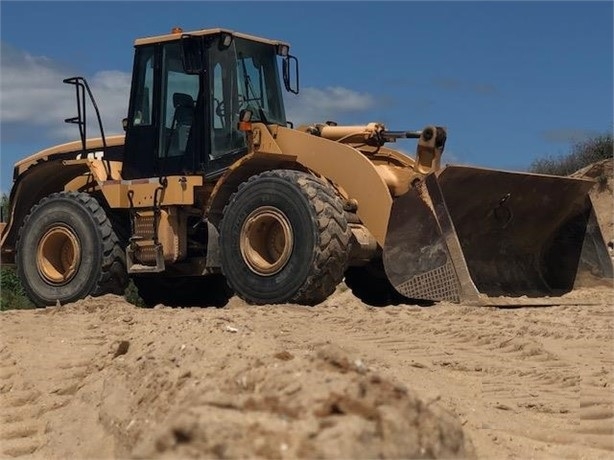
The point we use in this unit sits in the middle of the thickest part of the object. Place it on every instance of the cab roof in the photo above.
(176, 35)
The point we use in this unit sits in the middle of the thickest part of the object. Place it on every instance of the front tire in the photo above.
(67, 249)
(284, 238)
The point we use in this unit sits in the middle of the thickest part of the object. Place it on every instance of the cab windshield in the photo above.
(242, 76)
(258, 83)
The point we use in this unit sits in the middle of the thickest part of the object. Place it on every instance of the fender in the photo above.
(349, 170)
(73, 151)
(38, 181)
(62, 167)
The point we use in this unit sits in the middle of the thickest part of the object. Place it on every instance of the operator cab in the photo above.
(187, 93)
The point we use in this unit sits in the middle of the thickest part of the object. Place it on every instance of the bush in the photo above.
(132, 295)
(582, 154)
(12, 294)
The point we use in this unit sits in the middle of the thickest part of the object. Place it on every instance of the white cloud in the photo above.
(318, 105)
(32, 93)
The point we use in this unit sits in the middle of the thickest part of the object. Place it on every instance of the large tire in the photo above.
(185, 291)
(67, 249)
(284, 238)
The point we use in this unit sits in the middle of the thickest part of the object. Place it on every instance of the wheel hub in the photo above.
(58, 255)
(266, 240)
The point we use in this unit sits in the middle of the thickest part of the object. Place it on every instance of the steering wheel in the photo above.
(220, 110)
(220, 107)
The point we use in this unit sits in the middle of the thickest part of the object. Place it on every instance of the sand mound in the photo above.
(192, 383)
(602, 194)
(320, 405)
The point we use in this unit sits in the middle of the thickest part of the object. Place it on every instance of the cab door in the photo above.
(180, 113)
(141, 128)
(165, 107)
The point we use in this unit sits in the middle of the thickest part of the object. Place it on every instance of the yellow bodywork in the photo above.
(367, 178)
(75, 146)
(344, 166)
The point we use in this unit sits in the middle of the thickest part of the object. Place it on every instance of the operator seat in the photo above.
(182, 122)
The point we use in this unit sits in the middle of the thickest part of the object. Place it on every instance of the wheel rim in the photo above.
(266, 240)
(58, 255)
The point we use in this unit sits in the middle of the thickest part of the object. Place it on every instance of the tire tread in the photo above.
(113, 276)
(332, 249)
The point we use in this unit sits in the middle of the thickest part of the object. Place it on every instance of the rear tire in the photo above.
(186, 291)
(67, 249)
(284, 238)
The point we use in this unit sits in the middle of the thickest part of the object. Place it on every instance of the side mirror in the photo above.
(125, 123)
(290, 70)
(192, 54)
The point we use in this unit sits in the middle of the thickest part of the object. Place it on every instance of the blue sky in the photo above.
(512, 81)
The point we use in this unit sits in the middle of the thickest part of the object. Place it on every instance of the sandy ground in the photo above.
(102, 378)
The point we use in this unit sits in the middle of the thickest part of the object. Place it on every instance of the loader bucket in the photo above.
(464, 233)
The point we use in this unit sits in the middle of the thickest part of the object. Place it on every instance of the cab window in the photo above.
(179, 94)
(145, 80)
(225, 106)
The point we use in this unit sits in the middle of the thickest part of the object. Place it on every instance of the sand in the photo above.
(103, 378)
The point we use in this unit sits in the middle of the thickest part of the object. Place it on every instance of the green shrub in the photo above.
(12, 294)
(131, 294)
(582, 154)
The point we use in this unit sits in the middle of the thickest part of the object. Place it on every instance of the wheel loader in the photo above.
(212, 190)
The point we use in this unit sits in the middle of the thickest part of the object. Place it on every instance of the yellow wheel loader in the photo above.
(212, 190)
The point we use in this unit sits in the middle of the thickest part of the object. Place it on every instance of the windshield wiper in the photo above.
(250, 89)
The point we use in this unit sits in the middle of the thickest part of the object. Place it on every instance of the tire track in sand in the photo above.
(22, 431)
(32, 386)
(528, 365)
